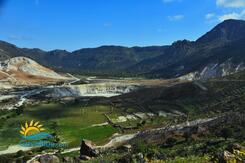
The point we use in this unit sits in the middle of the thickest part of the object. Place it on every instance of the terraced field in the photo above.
(71, 122)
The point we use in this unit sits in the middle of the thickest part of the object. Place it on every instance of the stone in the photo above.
(49, 159)
(85, 158)
(34, 161)
(225, 156)
(236, 146)
(30, 153)
(229, 157)
(68, 160)
(77, 159)
(88, 149)
(125, 159)
(139, 158)
(71, 160)
(127, 146)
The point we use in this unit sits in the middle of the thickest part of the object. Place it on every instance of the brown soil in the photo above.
(21, 78)
(2, 75)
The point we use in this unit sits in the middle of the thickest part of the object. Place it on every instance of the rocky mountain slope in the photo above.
(217, 53)
(105, 59)
(22, 70)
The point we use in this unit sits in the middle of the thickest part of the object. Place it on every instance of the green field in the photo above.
(71, 123)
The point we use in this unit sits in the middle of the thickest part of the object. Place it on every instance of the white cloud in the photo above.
(176, 17)
(231, 3)
(209, 16)
(229, 16)
(233, 15)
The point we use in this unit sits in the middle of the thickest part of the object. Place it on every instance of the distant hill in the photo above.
(105, 59)
(219, 52)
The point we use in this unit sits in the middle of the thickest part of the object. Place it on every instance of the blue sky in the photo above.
(75, 24)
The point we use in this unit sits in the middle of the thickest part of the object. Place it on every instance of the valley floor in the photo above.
(143, 116)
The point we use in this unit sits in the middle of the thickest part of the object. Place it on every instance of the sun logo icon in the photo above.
(31, 129)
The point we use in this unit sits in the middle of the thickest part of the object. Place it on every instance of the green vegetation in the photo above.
(70, 122)
(75, 120)
(189, 159)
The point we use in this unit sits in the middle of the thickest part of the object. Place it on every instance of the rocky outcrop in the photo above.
(234, 153)
(220, 70)
(139, 158)
(97, 89)
(35, 161)
(71, 160)
(49, 159)
(213, 70)
(28, 66)
(24, 71)
(87, 150)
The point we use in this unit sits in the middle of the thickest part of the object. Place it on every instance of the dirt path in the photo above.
(117, 141)
(14, 149)
(125, 138)
(75, 79)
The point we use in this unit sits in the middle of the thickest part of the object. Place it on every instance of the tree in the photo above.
(187, 134)
(20, 153)
(226, 133)
(20, 110)
(171, 141)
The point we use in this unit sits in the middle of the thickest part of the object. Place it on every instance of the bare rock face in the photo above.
(25, 71)
(87, 149)
(235, 153)
(236, 146)
(49, 159)
(29, 66)
(229, 157)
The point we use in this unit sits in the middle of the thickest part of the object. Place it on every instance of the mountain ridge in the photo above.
(180, 58)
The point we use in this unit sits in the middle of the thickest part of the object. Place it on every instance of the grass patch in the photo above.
(72, 122)
(190, 159)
